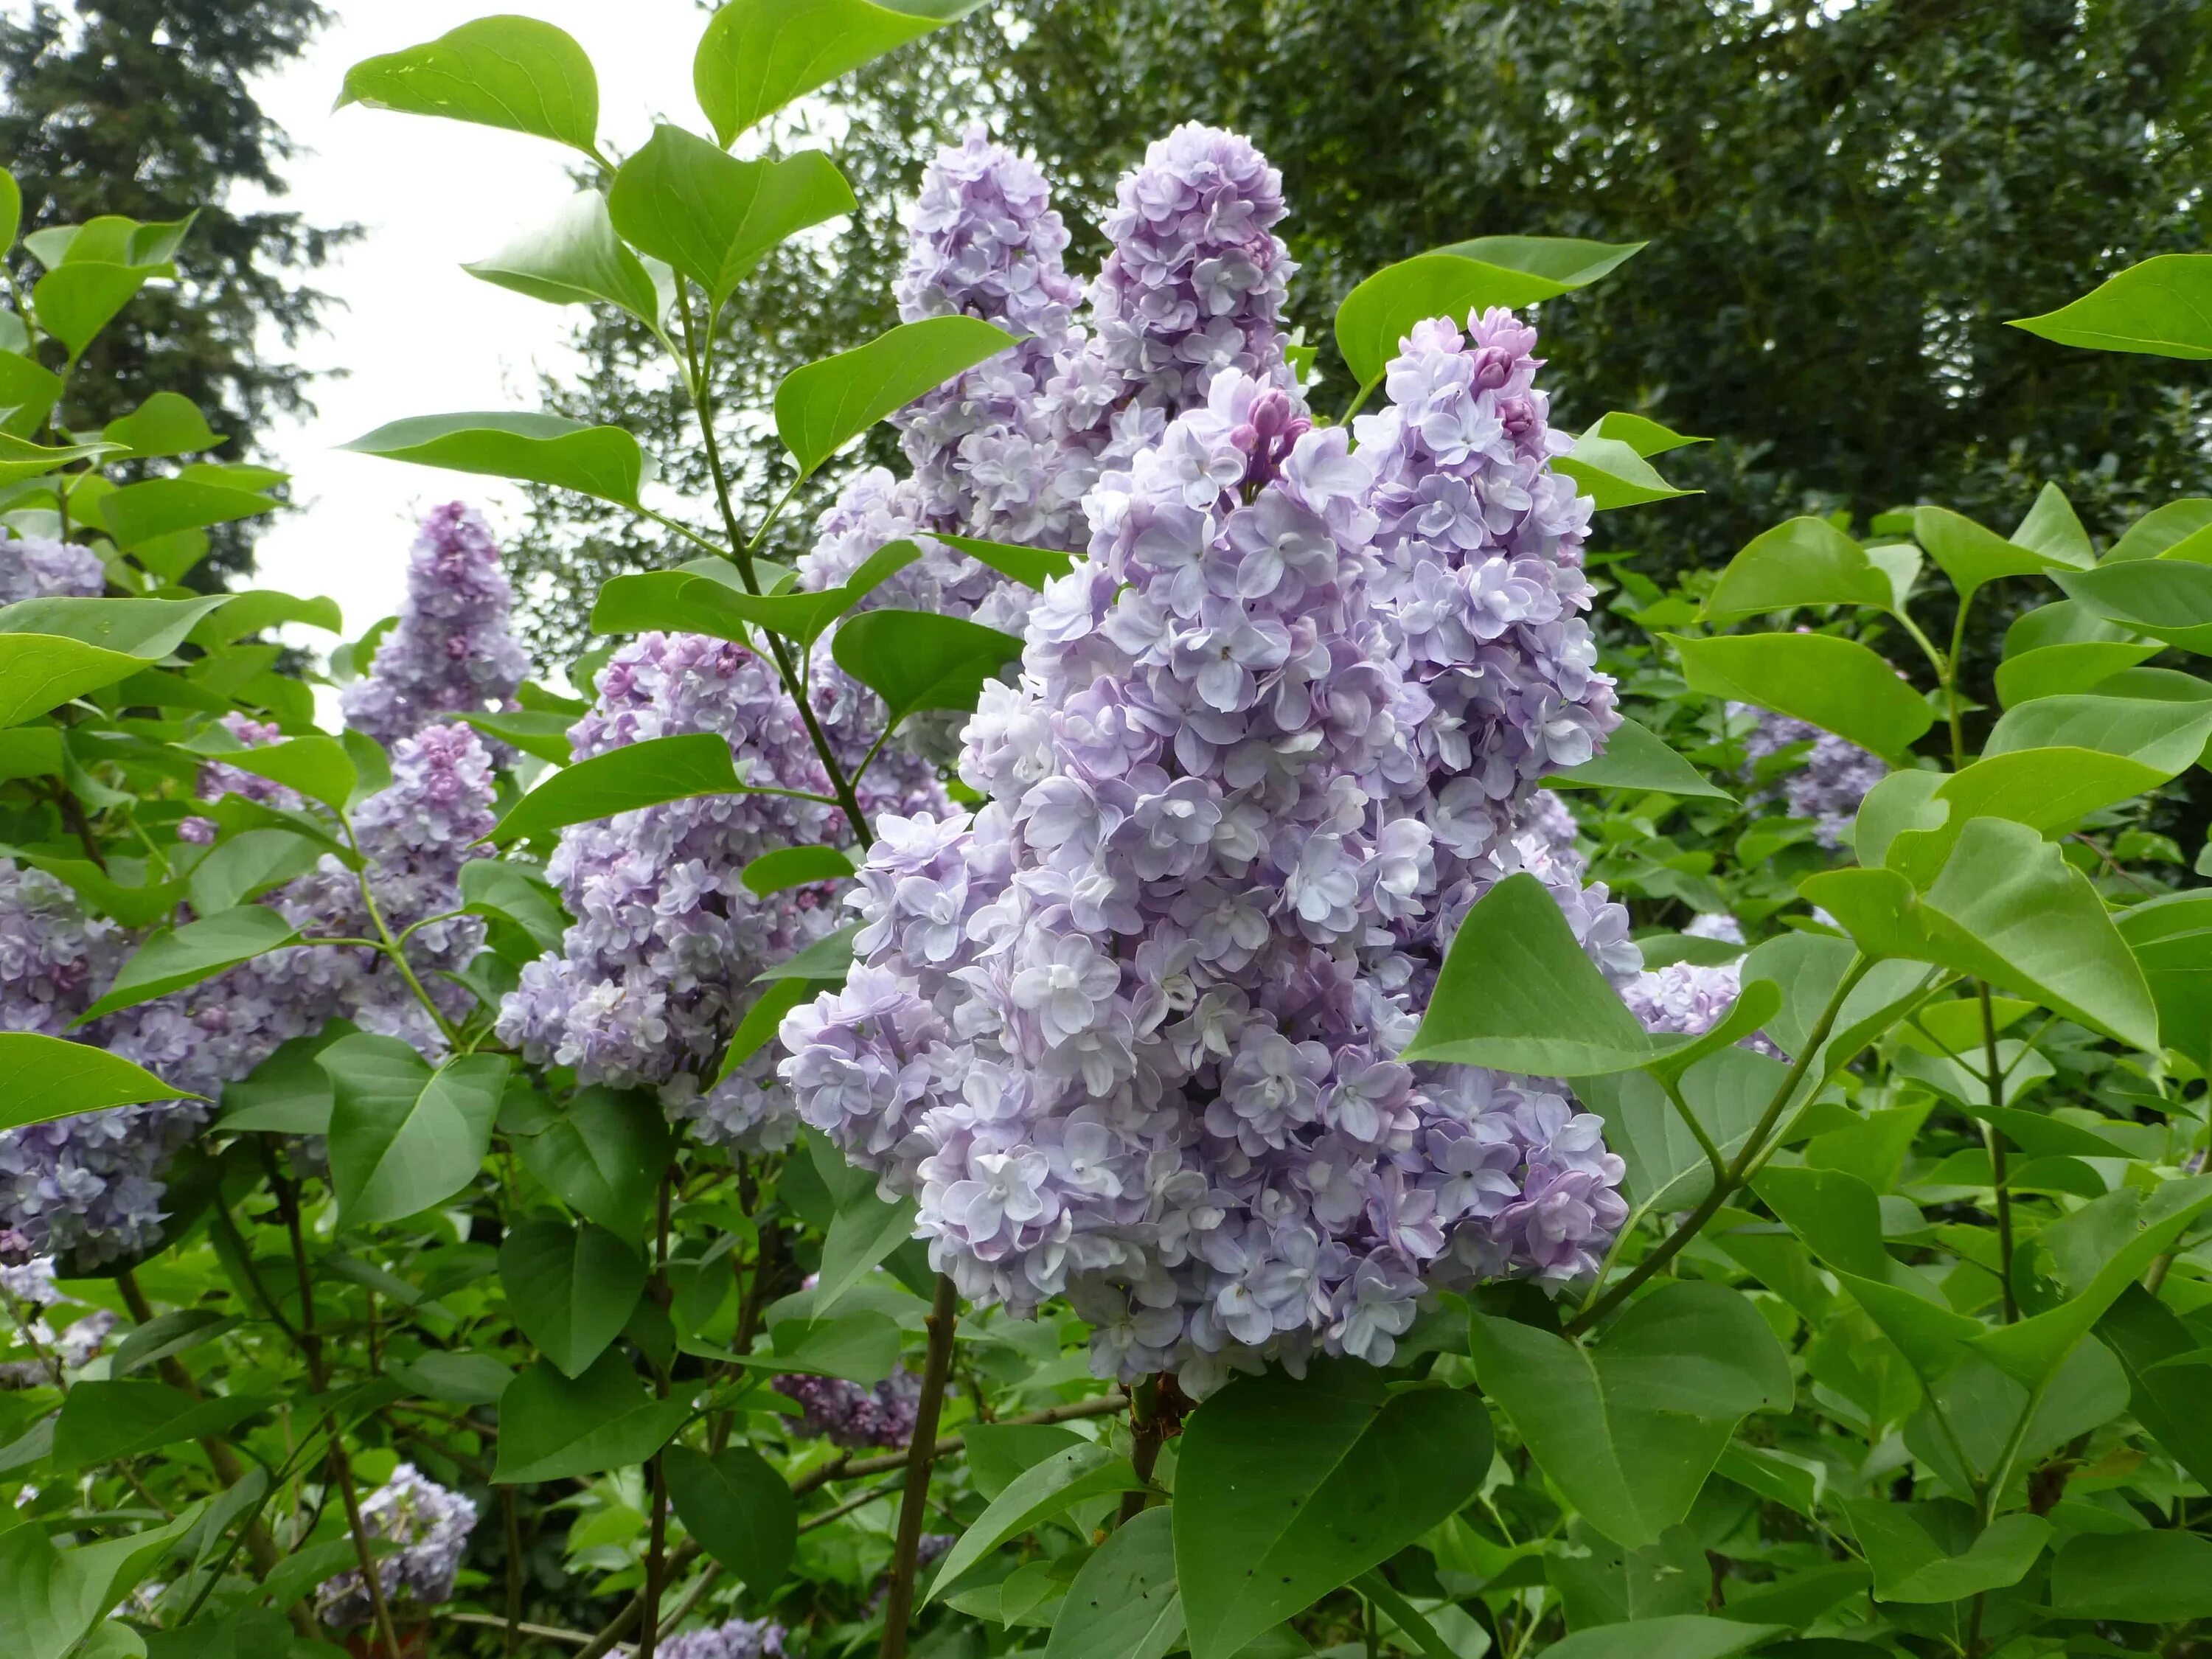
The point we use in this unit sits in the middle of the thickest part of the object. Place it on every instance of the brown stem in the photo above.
(899, 1599)
(311, 1344)
(1144, 1435)
(2000, 1171)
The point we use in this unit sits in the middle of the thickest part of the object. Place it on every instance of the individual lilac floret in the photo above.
(1827, 785)
(33, 569)
(452, 652)
(851, 1414)
(650, 980)
(740, 1638)
(1127, 1031)
(431, 1526)
(1195, 286)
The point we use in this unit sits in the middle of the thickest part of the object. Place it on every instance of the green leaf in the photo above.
(822, 963)
(2060, 670)
(1039, 1492)
(21, 458)
(166, 423)
(1518, 992)
(602, 1156)
(2172, 938)
(713, 217)
(822, 406)
(11, 211)
(2164, 736)
(176, 957)
(53, 1599)
(549, 449)
(2166, 598)
(1032, 566)
(319, 768)
(1759, 1000)
(147, 628)
(738, 1509)
(758, 1028)
(1451, 281)
(1678, 1635)
(2162, 308)
(795, 866)
(2137, 1228)
(458, 1379)
(1728, 1091)
(76, 301)
(299, 1573)
(2008, 908)
(1647, 437)
(1124, 1603)
(1629, 1429)
(166, 1334)
(860, 1347)
(623, 780)
(492, 887)
(243, 867)
(1919, 1554)
(259, 609)
(758, 55)
(1971, 555)
(1837, 684)
(692, 600)
(2161, 1576)
(511, 72)
(1636, 757)
(2160, 528)
(50, 1078)
(30, 391)
(544, 734)
(41, 671)
(404, 1137)
(100, 1421)
(554, 1428)
(865, 1230)
(2165, 1399)
(1612, 475)
(572, 1288)
(918, 659)
(1286, 1488)
(574, 258)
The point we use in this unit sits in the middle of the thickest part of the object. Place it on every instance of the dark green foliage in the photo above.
(143, 107)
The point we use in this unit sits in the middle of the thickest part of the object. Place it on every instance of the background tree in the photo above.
(143, 107)
(1841, 212)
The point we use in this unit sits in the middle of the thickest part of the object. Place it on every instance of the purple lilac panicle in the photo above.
(740, 1638)
(452, 651)
(649, 983)
(1827, 785)
(430, 1524)
(851, 1414)
(1127, 1031)
(33, 569)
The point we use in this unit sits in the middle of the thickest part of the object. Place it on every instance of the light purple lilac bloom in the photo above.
(851, 1414)
(91, 1185)
(650, 980)
(1126, 1031)
(740, 1638)
(430, 1524)
(32, 567)
(1827, 785)
(452, 652)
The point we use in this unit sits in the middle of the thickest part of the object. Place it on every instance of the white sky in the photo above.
(418, 335)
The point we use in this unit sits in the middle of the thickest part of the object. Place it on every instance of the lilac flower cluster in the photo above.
(851, 1415)
(1126, 1031)
(651, 979)
(30, 1285)
(1827, 785)
(92, 1184)
(452, 651)
(33, 569)
(740, 1638)
(1683, 998)
(430, 1524)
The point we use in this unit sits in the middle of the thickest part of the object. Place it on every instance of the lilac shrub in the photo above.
(851, 1414)
(452, 651)
(1127, 1031)
(430, 1524)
